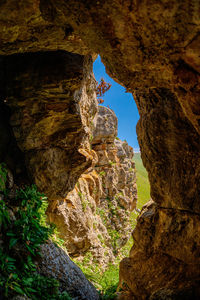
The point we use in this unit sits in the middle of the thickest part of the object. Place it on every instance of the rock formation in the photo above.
(49, 94)
(94, 216)
(152, 48)
(55, 263)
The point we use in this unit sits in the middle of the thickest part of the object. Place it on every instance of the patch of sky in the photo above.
(122, 104)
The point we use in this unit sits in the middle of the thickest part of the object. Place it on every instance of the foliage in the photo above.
(112, 163)
(84, 202)
(3, 175)
(107, 281)
(102, 173)
(23, 229)
(101, 89)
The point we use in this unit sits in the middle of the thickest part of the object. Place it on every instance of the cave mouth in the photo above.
(10, 153)
(158, 59)
(125, 108)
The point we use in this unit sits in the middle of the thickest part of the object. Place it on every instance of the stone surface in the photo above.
(56, 263)
(28, 27)
(163, 240)
(49, 95)
(94, 217)
(152, 48)
(105, 126)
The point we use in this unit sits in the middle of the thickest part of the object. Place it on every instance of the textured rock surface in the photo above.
(31, 26)
(55, 263)
(105, 126)
(94, 216)
(49, 95)
(152, 47)
(157, 58)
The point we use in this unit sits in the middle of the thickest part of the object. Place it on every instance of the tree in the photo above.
(101, 88)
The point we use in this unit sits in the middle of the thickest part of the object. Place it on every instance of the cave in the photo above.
(152, 49)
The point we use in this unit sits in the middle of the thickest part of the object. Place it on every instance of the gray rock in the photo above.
(105, 126)
(56, 263)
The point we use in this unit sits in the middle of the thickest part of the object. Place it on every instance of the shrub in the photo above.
(3, 175)
(23, 230)
(102, 173)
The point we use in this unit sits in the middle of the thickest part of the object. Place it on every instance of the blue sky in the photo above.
(123, 105)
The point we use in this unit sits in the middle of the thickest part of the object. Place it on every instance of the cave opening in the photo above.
(157, 58)
(10, 153)
(123, 104)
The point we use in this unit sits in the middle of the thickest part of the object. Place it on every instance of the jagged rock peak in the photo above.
(105, 126)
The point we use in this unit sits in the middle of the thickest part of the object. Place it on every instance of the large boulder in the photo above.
(56, 263)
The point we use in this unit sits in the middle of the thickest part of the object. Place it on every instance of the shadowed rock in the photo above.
(152, 48)
(56, 263)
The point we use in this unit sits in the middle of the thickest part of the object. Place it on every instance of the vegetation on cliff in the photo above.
(107, 281)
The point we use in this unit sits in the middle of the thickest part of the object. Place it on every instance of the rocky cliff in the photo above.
(152, 48)
(95, 216)
(51, 96)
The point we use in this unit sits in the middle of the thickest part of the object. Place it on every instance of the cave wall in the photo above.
(52, 102)
(152, 48)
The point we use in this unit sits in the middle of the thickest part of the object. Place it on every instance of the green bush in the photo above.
(23, 229)
(3, 175)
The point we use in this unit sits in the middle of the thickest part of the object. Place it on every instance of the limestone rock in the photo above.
(152, 48)
(105, 126)
(55, 263)
(166, 294)
(94, 217)
(28, 27)
(49, 95)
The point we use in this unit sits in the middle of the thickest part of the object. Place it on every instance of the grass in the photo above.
(143, 186)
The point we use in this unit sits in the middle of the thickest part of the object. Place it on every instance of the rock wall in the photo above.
(95, 216)
(152, 48)
(49, 94)
(54, 262)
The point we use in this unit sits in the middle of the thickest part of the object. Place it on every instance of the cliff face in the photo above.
(152, 48)
(94, 217)
(49, 95)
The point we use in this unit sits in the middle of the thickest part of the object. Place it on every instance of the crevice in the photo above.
(179, 210)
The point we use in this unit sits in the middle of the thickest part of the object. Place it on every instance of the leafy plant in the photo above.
(3, 175)
(23, 230)
(112, 163)
(102, 173)
(91, 138)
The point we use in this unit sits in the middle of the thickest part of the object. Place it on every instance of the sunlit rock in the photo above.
(94, 217)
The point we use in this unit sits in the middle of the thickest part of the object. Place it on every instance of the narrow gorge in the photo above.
(51, 135)
(95, 216)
